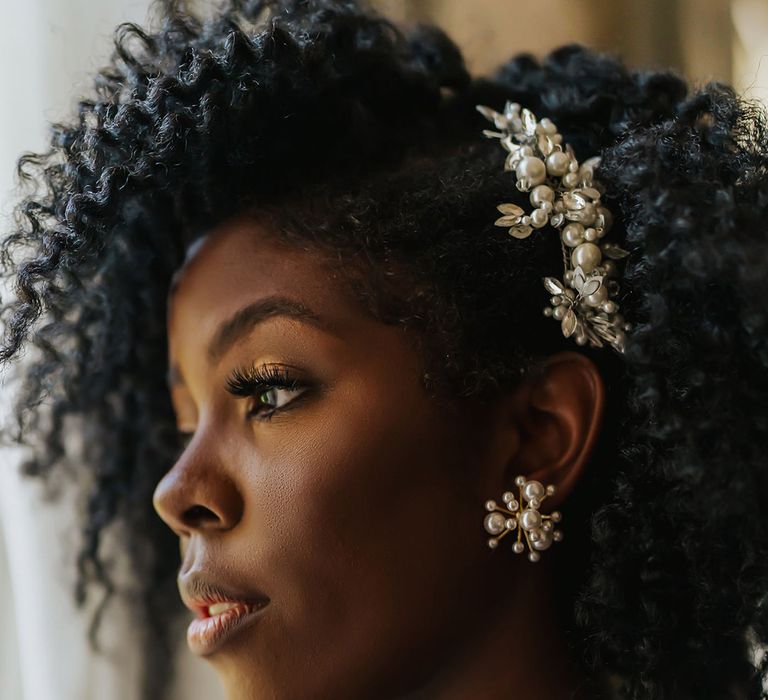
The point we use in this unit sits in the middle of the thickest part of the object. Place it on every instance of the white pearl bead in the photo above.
(559, 312)
(534, 556)
(547, 526)
(610, 307)
(557, 163)
(510, 523)
(557, 535)
(508, 496)
(587, 256)
(532, 169)
(588, 214)
(581, 339)
(590, 235)
(493, 543)
(518, 547)
(530, 520)
(547, 311)
(555, 515)
(544, 541)
(512, 505)
(573, 235)
(490, 505)
(539, 218)
(550, 490)
(519, 480)
(533, 489)
(597, 298)
(534, 535)
(571, 179)
(541, 194)
(526, 151)
(534, 503)
(494, 523)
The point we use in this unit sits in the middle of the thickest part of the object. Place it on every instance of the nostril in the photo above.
(197, 515)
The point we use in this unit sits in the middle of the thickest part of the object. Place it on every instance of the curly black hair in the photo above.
(360, 140)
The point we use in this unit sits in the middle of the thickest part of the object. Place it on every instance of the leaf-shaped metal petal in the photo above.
(599, 221)
(591, 286)
(510, 209)
(520, 231)
(545, 144)
(568, 324)
(613, 251)
(509, 144)
(493, 134)
(553, 285)
(487, 112)
(590, 192)
(574, 201)
(593, 162)
(578, 279)
(557, 220)
(577, 215)
(529, 122)
(507, 221)
(511, 108)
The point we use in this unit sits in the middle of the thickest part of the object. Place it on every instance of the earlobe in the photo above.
(560, 420)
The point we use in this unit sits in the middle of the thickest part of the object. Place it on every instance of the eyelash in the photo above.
(253, 381)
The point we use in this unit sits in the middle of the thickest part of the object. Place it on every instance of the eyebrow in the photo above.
(245, 319)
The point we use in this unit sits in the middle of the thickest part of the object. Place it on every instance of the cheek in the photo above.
(373, 523)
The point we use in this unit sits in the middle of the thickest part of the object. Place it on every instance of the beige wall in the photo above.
(696, 37)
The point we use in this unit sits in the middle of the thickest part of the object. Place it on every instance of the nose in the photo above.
(198, 494)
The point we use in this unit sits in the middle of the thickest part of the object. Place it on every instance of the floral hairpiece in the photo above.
(566, 196)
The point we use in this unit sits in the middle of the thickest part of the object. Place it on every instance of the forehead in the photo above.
(243, 260)
(239, 264)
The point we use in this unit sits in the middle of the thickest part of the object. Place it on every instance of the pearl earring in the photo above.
(537, 528)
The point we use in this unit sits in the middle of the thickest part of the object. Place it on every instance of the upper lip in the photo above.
(200, 589)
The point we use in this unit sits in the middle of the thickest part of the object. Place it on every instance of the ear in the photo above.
(557, 417)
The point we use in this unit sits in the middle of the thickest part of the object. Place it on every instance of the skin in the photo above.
(358, 507)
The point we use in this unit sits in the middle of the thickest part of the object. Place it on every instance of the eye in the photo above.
(271, 386)
(274, 398)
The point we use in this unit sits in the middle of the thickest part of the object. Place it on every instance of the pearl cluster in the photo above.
(527, 521)
(565, 196)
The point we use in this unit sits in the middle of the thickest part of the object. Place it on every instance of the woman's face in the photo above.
(349, 499)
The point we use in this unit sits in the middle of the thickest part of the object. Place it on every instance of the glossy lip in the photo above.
(208, 633)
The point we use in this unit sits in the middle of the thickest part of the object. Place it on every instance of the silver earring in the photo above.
(537, 528)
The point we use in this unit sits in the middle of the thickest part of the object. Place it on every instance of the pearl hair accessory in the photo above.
(537, 528)
(566, 197)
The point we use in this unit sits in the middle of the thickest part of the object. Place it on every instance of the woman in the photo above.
(283, 320)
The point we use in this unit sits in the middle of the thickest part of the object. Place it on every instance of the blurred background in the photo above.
(49, 49)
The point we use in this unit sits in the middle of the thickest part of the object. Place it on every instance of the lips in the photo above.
(221, 610)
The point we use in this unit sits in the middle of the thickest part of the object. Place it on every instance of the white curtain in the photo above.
(48, 50)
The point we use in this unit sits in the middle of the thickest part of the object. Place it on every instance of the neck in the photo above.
(518, 651)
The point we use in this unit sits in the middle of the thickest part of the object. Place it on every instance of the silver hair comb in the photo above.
(564, 195)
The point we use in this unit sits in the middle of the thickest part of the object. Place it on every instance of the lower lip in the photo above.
(206, 635)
